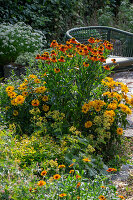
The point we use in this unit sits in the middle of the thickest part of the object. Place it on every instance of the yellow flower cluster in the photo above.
(29, 92)
(96, 104)
(125, 109)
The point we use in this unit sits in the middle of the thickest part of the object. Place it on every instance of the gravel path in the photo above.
(124, 178)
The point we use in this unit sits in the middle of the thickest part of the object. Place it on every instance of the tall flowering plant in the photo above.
(73, 71)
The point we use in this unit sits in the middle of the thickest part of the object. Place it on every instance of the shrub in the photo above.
(18, 38)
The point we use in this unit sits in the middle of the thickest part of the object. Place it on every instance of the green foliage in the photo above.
(17, 39)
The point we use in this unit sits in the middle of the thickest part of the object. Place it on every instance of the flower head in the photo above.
(61, 166)
(43, 173)
(56, 176)
(35, 102)
(86, 159)
(62, 195)
(41, 183)
(119, 131)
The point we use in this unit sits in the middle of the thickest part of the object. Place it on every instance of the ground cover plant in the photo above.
(48, 179)
(64, 112)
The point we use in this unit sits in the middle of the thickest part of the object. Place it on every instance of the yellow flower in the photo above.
(22, 86)
(119, 131)
(15, 112)
(86, 159)
(19, 99)
(56, 176)
(43, 173)
(45, 98)
(61, 166)
(12, 94)
(71, 171)
(37, 80)
(13, 102)
(45, 108)
(40, 89)
(9, 89)
(32, 76)
(24, 94)
(41, 183)
(112, 106)
(110, 113)
(88, 124)
(35, 102)
(62, 195)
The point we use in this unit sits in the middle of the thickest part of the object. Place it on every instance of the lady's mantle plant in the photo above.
(17, 39)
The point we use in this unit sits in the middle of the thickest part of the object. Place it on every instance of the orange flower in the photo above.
(43, 173)
(37, 57)
(54, 43)
(61, 59)
(61, 166)
(91, 40)
(101, 197)
(89, 46)
(102, 59)
(41, 183)
(113, 60)
(102, 186)
(71, 165)
(73, 41)
(78, 184)
(119, 131)
(109, 46)
(35, 102)
(53, 59)
(53, 53)
(111, 170)
(57, 70)
(86, 64)
(56, 176)
(77, 176)
(121, 197)
(30, 189)
(63, 48)
(62, 195)
(70, 55)
(95, 58)
(106, 67)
